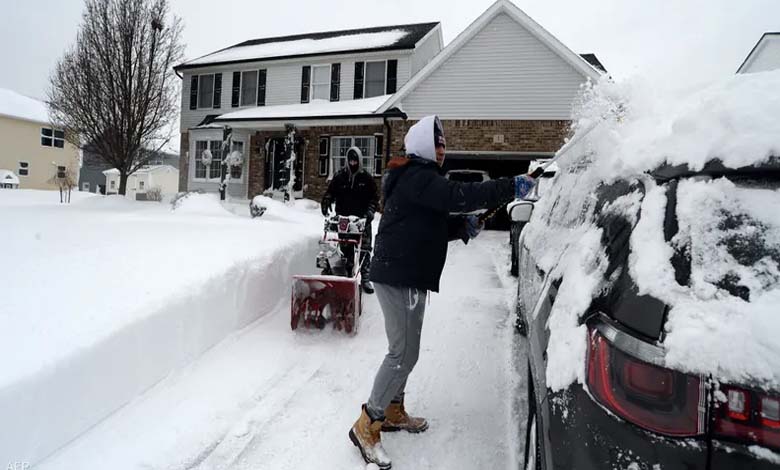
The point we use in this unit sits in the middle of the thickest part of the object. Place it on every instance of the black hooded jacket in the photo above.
(354, 194)
(411, 245)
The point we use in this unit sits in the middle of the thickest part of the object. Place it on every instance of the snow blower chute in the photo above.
(334, 296)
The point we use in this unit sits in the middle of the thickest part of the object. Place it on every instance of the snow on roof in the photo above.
(8, 176)
(146, 169)
(375, 38)
(764, 56)
(15, 105)
(317, 108)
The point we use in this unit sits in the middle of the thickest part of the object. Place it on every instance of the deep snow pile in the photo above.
(621, 131)
(106, 296)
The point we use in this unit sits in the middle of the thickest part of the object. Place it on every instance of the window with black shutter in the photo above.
(236, 90)
(305, 82)
(335, 81)
(217, 90)
(261, 74)
(324, 159)
(392, 76)
(359, 67)
(194, 92)
(378, 149)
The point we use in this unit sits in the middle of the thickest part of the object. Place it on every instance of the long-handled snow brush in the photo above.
(539, 171)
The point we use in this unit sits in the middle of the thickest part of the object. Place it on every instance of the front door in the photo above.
(277, 175)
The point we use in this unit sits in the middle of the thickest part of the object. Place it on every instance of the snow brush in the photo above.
(539, 171)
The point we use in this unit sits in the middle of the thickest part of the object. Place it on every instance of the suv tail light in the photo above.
(652, 397)
(748, 416)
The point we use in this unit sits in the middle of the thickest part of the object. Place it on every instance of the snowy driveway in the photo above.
(270, 398)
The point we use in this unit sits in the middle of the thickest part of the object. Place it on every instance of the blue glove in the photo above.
(523, 185)
(473, 226)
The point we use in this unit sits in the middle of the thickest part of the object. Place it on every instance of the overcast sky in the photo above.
(680, 41)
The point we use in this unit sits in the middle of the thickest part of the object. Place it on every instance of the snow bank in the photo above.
(110, 296)
(623, 130)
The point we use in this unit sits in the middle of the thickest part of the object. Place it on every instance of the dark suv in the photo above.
(632, 406)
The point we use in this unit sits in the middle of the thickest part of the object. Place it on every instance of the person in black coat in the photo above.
(354, 191)
(411, 248)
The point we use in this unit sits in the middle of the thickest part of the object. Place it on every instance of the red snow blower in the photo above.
(334, 296)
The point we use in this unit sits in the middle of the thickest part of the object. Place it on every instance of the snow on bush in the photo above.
(622, 130)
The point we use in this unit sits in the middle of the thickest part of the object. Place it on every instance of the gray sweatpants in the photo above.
(404, 309)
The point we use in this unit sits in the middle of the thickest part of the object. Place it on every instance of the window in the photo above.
(249, 88)
(235, 171)
(206, 91)
(52, 137)
(24, 169)
(61, 172)
(340, 145)
(378, 149)
(214, 170)
(112, 185)
(375, 79)
(85, 187)
(140, 185)
(320, 82)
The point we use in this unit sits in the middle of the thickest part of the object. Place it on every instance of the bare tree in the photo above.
(115, 88)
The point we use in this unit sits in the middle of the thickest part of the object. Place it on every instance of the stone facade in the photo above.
(184, 160)
(314, 184)
(494, 136)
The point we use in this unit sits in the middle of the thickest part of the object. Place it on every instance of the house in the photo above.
(8, 180)
(33, 150)
(504, 89)
(92, 178)
(765, 55)
(329, 85)
(148, 179)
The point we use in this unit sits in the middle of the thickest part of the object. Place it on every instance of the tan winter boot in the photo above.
(365, 435)
(396, 419)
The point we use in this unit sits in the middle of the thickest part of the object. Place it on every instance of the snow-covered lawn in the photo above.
(104, 297)
(268, 397)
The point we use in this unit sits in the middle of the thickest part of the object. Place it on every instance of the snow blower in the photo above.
(334, 296)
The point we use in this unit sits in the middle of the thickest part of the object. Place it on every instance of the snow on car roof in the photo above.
(15, 105)
(626, 129)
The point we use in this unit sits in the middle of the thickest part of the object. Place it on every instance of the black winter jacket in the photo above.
(411, 245)
(353, 194)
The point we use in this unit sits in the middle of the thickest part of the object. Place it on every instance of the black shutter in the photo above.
(217, 90)
(392, 76)
(194, 92)
(261, 87)
(305, 81)
(359, 67)
(324, 159)
(378, 144)
(234, 98)
(335, 81)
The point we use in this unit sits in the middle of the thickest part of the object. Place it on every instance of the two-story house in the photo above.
(504, 89)
(33, 150)
(329, 85)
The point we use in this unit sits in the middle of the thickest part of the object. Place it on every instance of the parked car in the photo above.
(520, 210)
(635, 407)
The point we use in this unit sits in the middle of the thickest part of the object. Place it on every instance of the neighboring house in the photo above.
(765, 55)
(153, 177)
(92, 178)
(329, 85)
(504, 89)
(8, 180)
(32, 149)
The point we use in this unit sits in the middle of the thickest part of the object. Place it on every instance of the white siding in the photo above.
(426, 51)
(766, 56)
(283, 81)
(504, 72)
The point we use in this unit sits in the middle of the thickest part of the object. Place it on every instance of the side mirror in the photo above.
(521, 211)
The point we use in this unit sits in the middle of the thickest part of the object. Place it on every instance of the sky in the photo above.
(685, 42)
